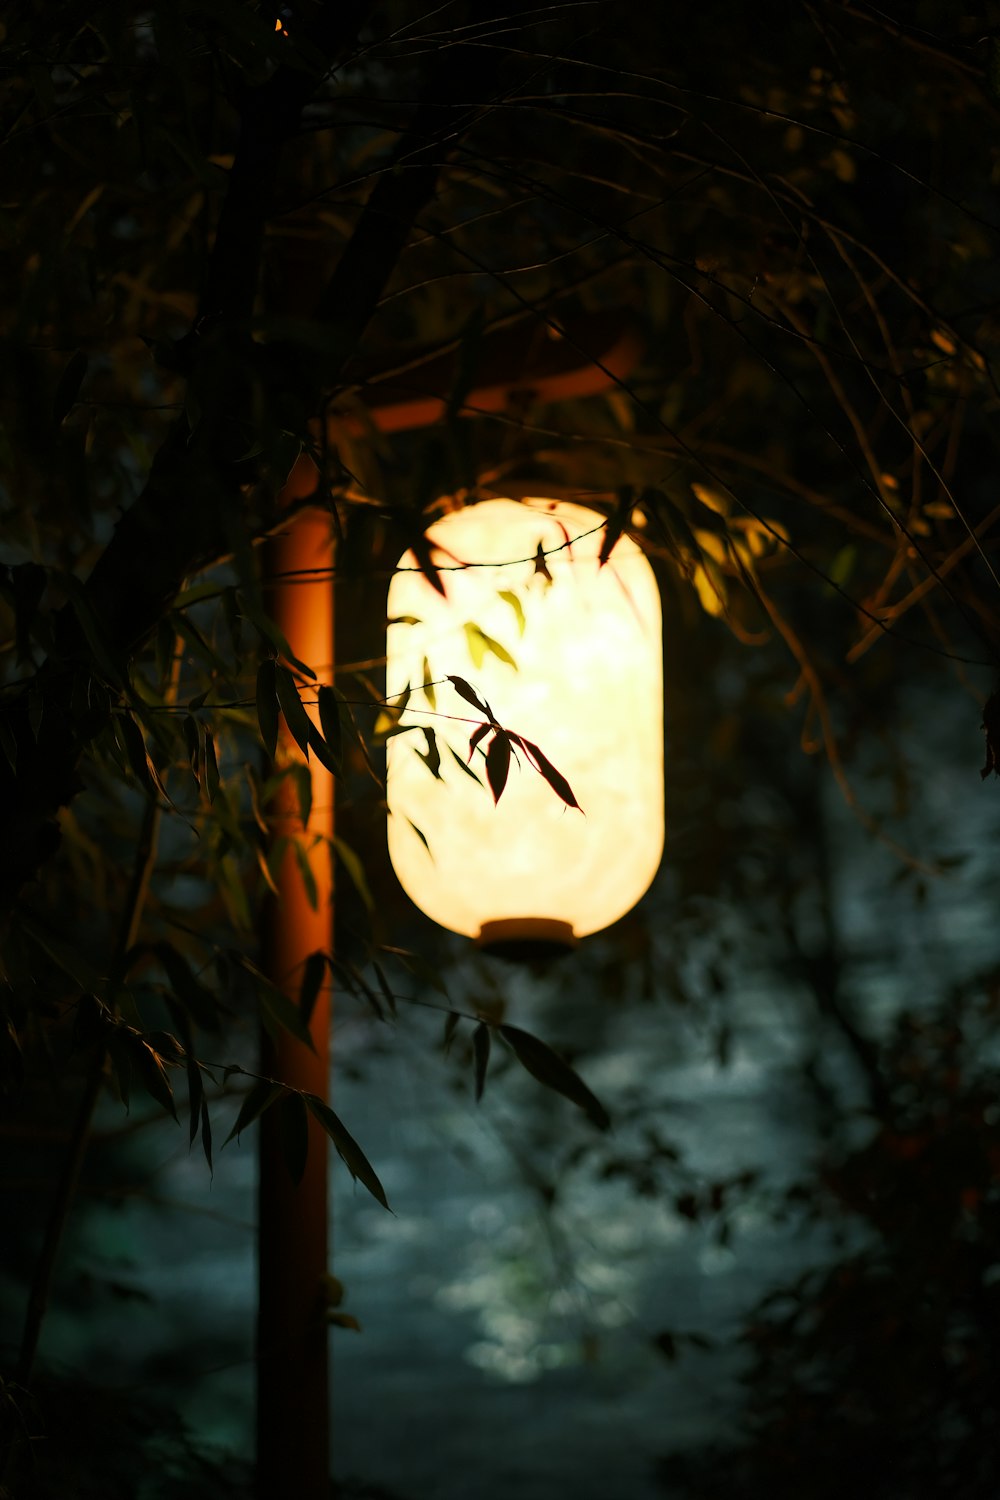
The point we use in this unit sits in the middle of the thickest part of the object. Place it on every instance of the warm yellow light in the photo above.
(567, 654)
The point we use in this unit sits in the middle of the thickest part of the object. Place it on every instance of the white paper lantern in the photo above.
(567, 654)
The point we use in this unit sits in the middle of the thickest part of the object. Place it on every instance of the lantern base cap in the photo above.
(527, 939)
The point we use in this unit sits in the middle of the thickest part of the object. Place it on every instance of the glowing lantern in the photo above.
(537, 644)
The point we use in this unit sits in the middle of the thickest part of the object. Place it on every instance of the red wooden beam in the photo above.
(588, 354)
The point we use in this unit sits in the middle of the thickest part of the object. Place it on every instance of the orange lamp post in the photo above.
(292, 1374)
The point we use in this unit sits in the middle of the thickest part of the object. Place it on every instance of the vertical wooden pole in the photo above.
(292, 1372)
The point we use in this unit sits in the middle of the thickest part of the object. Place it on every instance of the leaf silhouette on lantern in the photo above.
(476, 736)
(498, 763)
(541, 566)
(615, 525)
(511, 599)
(462, 765)
(547, 771)
(503, 743)
(464, 690)
(479, 643)
(431, 757)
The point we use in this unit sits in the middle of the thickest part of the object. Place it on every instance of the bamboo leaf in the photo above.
(268, 630)
(541, 569)
(196, 1088)
(470, 695)
(422, 551)
(265, 869)
(306, 871)
(712, 499)
(431, 757)
(262, 1095)
(354, 983)
(384, 986)
(322, 752)
(343, 1320)
(509, 597)
(547, 770)
(313, 971)
(348, 1149)
(229, 877)
(291, 707)
(550, 1069)
(152, 1074)
(479, 643)
(615, 524)
(255, 807)
(355, 870)
(9, 742)
(197, 1000)
(211, 766)
(467, 769)
(329, 719)
(206, 1134)
(467, 362)
(450, 1027)
(498, 763)
(475, 737)
(189, 630)
(267, 705)
(421, 835)
(348, 720)
(275, 1007)
(843, 565)
(474, 641)
(135, 750)
(193, 742)
(428, 686)
(481, 1040)
(276, 1010)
